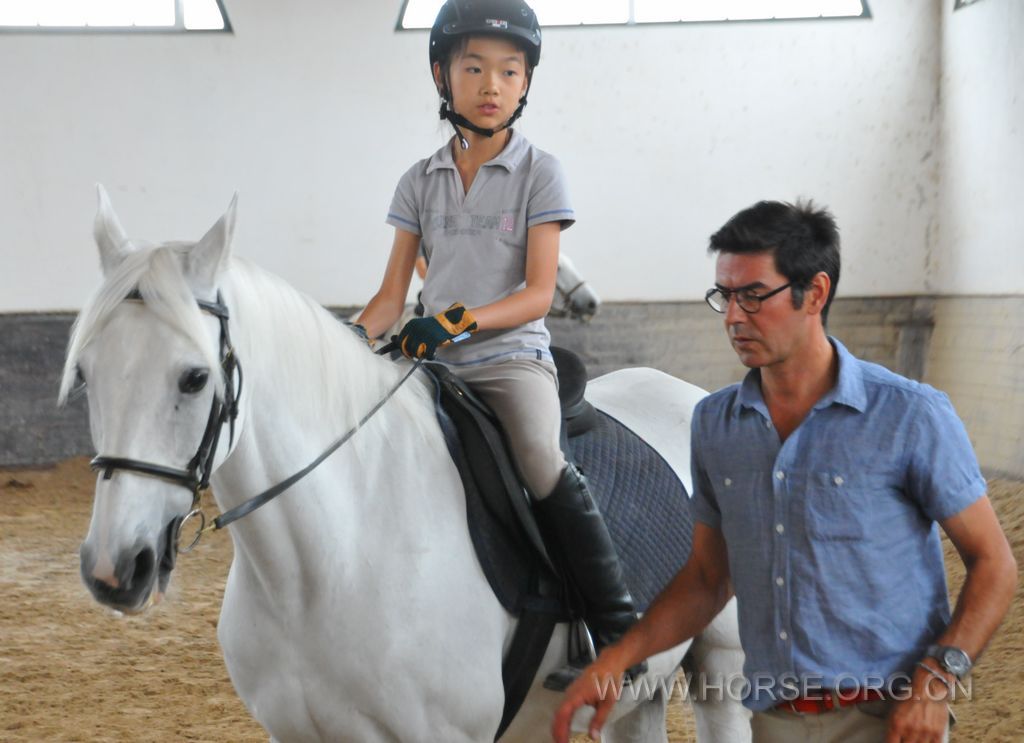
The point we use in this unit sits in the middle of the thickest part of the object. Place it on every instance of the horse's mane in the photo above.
(309, 344)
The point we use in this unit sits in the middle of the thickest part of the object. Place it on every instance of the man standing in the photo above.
(818, 483)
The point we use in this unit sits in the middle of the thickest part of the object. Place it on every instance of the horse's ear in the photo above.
(109, 234)
(206, 262)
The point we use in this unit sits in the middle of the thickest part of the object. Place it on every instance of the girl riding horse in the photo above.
(487, 210)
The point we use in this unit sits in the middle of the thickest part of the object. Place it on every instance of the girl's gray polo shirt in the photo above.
(475, 243)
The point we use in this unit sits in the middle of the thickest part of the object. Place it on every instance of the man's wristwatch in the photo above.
(951, 659)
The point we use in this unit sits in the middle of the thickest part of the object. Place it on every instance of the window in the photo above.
(113, 15)
(417, 14)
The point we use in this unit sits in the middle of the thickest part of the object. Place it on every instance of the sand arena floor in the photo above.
(73, 671)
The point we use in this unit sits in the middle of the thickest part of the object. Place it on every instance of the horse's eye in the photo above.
(193, 380)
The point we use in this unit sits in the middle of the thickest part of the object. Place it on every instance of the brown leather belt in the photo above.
(827, 700)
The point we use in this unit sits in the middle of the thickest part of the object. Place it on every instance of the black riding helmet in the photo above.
(511, 19)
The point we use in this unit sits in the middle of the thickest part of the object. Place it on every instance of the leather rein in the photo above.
(196, 475)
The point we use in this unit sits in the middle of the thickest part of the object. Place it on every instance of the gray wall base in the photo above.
(968, 347)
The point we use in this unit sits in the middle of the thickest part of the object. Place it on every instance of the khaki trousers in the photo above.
(524, 395)
(866, 722)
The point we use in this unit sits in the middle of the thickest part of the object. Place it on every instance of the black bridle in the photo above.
(566, 309)
(196, 475)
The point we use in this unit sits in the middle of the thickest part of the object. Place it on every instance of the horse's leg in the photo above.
(249, 652)
(716, 661)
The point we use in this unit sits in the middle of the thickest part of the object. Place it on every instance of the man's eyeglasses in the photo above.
(748, 300)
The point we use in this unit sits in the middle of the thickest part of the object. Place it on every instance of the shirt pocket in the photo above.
(849, 506)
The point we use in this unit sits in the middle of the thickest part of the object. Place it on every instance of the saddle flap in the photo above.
(497, 503)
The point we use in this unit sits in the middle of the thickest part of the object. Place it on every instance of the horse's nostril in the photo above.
(140, 571)
(127, 582)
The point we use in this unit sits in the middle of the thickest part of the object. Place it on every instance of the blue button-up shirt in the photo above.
(833, 546)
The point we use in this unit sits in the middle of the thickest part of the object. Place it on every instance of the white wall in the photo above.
(313, 109)
(977, 350)
(981, 245)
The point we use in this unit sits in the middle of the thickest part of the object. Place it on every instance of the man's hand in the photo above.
(598, 686)
(918, 721)
(924, 715)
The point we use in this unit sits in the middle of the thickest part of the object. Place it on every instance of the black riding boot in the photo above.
(576, 532)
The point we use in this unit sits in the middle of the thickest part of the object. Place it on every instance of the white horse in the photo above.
(355, 608)
(574, 297)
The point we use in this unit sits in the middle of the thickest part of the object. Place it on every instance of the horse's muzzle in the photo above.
(137, 573)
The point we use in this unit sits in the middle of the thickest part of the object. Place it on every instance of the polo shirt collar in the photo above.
(848, 390)
(508, 158)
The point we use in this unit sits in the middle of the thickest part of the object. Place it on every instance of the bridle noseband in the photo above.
(196, 475)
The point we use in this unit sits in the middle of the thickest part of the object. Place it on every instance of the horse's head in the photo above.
(152, 361)
(574, 297)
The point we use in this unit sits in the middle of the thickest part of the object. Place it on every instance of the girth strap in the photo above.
(529, 643)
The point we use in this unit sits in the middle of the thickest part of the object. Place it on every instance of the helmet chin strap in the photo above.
(457, 120)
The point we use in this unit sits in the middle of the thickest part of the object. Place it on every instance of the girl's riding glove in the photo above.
(422, 336)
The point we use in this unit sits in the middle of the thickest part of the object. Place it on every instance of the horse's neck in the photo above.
(306, 378)
(369, 493)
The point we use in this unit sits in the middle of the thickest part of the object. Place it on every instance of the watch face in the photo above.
(956, 661)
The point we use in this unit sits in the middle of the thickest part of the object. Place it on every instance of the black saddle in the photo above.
(644, 504)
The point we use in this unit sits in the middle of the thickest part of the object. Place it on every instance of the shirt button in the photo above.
(780, 581)
(837, 480)
(780, 475)
(767, 424)
(728, 481)
(783, 635)
(780, 528)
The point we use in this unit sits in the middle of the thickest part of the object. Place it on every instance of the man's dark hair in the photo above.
(803, 239)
